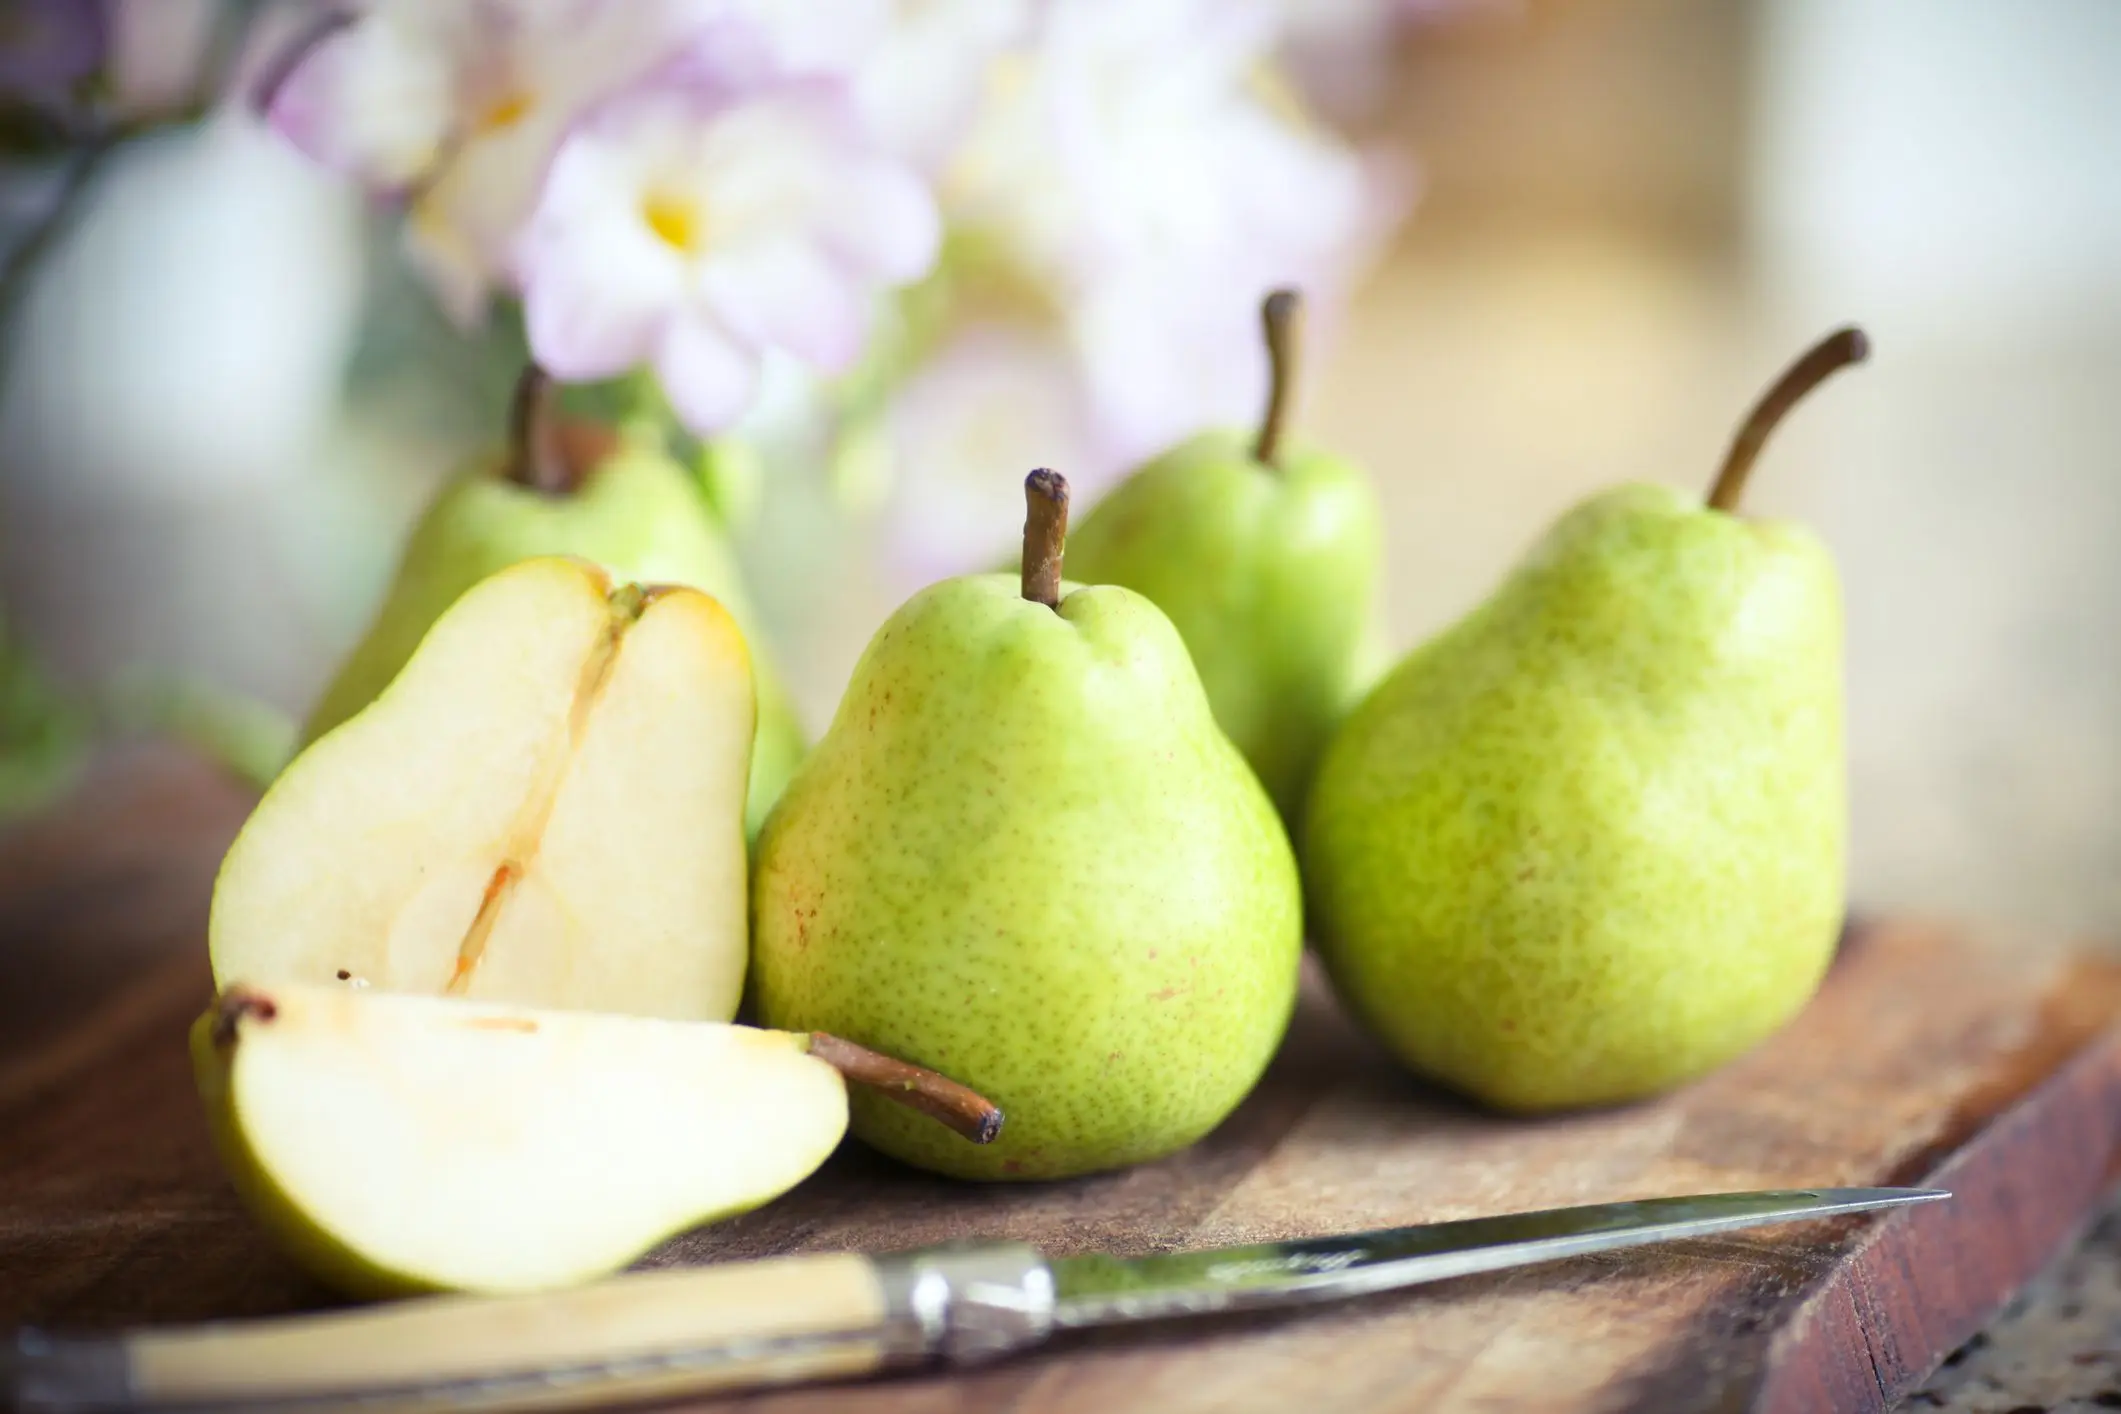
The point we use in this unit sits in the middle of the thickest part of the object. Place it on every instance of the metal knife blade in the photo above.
(1098, 1290)
(684, 1331)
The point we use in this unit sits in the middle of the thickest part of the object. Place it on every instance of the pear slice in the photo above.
(545, 807)
(399, 1143)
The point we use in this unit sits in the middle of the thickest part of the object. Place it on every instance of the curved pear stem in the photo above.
(1045, 535)
(235, 1004)
(1281, 317)
(964, 1110)
(1838, 350)
(541, 453)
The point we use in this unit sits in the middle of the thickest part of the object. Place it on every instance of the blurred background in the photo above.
(227, 395)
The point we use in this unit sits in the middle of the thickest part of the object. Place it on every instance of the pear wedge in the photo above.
(398, 1144)
(546, 807)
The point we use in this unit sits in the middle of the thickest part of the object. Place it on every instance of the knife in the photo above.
(670, 1333)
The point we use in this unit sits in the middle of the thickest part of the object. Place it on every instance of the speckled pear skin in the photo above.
(636, 514)
(1024, 855)
(1269, 574)
(1588, 844)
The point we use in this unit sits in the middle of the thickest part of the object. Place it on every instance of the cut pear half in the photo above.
(398, 1143)
(546, 807)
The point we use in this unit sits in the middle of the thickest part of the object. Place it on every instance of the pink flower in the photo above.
(696, 223)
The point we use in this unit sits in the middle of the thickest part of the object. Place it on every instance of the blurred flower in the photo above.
(1341, 53)
(47, 47)
(1149, 134)
(460, 104)
(1143, 164)
(695, 224)
(923, 73)
(993, 402)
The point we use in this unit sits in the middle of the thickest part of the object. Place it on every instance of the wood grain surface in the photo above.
(1987, 1067)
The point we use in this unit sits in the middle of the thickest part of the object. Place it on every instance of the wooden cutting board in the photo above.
(1931, 1056)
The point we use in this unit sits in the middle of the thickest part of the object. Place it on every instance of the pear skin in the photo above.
(1588, 844)
(1265, 557)
(1025, 855)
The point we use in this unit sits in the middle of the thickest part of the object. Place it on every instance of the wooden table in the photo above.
(1930, 1056)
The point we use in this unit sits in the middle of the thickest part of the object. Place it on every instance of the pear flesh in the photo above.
(398, 1144)
(544, 808)
(635, 512)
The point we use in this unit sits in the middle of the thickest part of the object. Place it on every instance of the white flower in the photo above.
(460, 104)
(923, 71)
(696, 224)
(1147, 134)
(1141, 164)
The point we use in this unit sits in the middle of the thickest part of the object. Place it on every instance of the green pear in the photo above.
(396, 1144)
(1587, 844)
(565, 490)
(1265, 556)
(1024, 854)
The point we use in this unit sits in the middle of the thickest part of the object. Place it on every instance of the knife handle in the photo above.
(648, 1335)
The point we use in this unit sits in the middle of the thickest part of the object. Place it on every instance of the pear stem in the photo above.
(233, 1005)
(1281, 317)
(969, 1113)
(1838, 350)
(538, 452)
(1045, 535)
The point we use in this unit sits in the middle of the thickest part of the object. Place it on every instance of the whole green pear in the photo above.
(1588, 844)
(1265, 557)
(623, 503)
(1024, 851)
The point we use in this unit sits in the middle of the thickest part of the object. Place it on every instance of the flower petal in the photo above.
(884, 223)
(709, 377)
(374, 101)
(788, 294)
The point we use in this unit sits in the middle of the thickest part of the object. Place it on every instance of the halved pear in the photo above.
(546, 807)
(399, 1143)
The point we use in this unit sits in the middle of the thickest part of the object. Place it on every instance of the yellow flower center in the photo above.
(676, 220)
(505, 111)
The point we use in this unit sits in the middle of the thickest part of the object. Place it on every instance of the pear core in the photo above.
(545, 807)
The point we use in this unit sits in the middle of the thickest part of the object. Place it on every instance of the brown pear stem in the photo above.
(1281, 317)
(969, 1113)
(233, 1005)
(1045, 535)
(1820, 362)
(536, 457)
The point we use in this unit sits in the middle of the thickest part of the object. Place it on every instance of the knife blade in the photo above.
(683, 1331)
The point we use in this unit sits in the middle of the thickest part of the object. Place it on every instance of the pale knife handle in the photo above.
(644, 1336)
